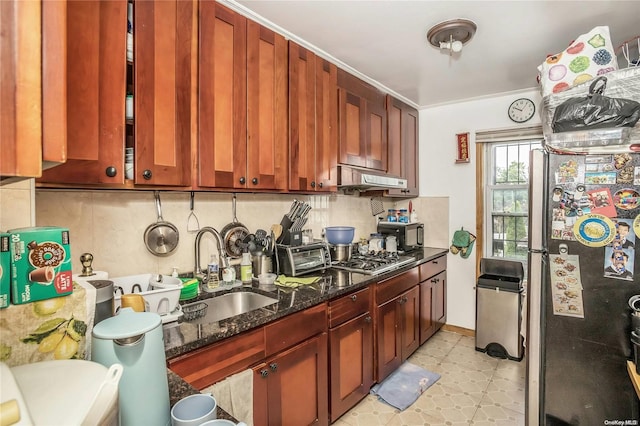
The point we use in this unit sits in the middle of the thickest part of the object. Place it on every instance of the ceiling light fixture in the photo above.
(451, 35)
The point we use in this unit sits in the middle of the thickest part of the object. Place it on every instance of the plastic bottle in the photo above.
(212, 271)
(174, 273)
(246, 269)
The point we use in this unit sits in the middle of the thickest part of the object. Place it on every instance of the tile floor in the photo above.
(474, 389)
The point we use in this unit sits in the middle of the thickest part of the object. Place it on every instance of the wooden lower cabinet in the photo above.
(397, 331)
(433, 297)
(351, 367)
(291, 388)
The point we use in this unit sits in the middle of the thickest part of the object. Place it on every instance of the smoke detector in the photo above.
(451, 35)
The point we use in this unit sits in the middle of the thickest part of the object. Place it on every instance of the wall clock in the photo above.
(521, 110)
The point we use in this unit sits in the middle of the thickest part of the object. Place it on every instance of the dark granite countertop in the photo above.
(182, 336)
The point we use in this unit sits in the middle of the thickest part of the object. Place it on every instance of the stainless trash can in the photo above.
(499, 294)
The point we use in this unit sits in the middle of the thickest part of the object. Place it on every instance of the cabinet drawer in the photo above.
(349, 306)
(295, 328)
(388, 289)
(206, 366)
(433, 267)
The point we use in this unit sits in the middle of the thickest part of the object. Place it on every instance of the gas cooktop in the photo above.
(373, 263)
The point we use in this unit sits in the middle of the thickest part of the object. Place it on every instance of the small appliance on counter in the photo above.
(409, 236)
(302, 259)
(135, 340)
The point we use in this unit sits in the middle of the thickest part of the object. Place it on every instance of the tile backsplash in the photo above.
(111, 224)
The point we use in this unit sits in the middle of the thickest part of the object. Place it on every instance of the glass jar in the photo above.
(392, 215)
(403, 217)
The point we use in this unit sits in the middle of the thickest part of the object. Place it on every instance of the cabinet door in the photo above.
(388, 349)
(267, 109)
(427, 328)
(296, 386)
(33, 132)
(403, 146)
(20, 94)
(376, 138)
(351, 363)
(54, 82)
(222, 90)
(326, 125)
(352, 121)
(410, 322)
(96, 76)
(163, 35)
(302, 116)
(439, 283)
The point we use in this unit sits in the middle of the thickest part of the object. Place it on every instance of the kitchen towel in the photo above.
(285, 281)
(404, 386)
(235, 395)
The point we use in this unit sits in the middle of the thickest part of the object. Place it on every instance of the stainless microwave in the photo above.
(410, 236)
(299, 260)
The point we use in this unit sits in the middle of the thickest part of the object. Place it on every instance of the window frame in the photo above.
(491, 186)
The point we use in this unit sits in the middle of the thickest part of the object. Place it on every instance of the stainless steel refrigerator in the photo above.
(582, 269)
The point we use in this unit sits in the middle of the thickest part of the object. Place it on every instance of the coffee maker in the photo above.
(135, 340)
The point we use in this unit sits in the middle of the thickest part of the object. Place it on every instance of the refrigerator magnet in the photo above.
(601, 202)
(566, 285)
(579, 191)
(557, 194)
(636, 225)
(626, 199)
(619, 264)
(594, 230)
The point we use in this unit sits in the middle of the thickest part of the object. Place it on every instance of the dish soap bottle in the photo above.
(246, 270)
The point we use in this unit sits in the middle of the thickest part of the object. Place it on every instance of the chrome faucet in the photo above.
(197, 271)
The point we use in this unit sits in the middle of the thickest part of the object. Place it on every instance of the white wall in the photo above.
(441, 176)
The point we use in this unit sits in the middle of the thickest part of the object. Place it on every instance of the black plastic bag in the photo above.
(595, 111)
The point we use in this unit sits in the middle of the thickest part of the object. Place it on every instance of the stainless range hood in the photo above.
(353, 178)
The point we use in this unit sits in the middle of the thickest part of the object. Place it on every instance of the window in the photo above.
(506, 204)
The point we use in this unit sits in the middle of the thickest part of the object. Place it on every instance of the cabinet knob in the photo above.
(264, 372)
(354, 297)
(242, 180)
(367, 319)
(254, 181)
(313, 184)
(273, 366)
(320, 184)
(111, 171)
(147, 174)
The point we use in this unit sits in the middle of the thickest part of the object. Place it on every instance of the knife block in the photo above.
(291, 238)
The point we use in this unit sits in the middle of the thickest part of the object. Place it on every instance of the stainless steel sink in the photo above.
(231, 304)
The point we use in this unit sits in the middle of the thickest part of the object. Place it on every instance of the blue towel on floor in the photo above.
(405, 385)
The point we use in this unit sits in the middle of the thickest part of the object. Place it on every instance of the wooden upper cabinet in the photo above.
(363, 123)
(32, 87)
(267, 109)
(352, 117)
(162, 91)
(326, 125)
(313, 121)
(242, 102)
(222, 88)
(302, 118)
(96, 76)
(97, 85)
(403, 146)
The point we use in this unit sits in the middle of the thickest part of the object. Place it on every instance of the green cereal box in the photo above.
(40, 264)
(5, 270)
